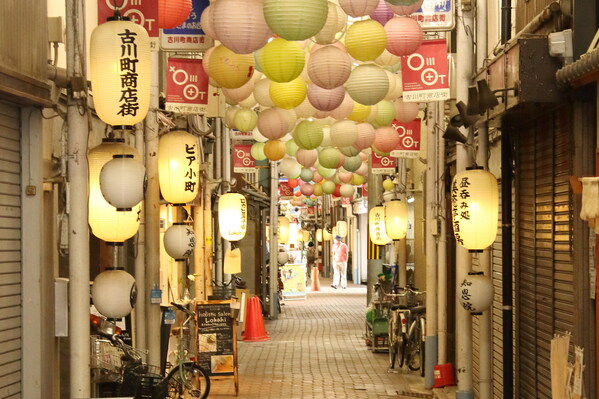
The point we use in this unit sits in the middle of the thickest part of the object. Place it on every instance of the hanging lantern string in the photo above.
(117, 6)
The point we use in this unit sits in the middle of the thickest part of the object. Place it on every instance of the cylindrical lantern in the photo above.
(396, 219)
(404, 35)
(319, 235)
(122, 182)
(105, 221)
(368, 84)
(358, 8)
(283, 230)
(376, 226)
(114, 293)
(240, 25)
(474, 208)
(173, 13)
(230, 70)
(120, 72)
(365, 40)
(289, 94)
(274, 150)
(329, 67)
(295, 19)
(342, 228)
(179, 166)
(179, 241)
(232, 216)
(476, 293)
(282, 60)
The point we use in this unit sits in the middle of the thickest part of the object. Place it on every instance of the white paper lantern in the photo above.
(396, 219)
(368, 84)
(179, 241)
(283, 230)
(376, 226)
(179, 166)
(335, 23)
(476, 293)
(319, 235)
(282, 257)
(232, 216)
(122, 182)
(114, 293)
(290, 168)
(344, 133)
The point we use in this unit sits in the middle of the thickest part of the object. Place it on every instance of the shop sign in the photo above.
(409, 139)
(436, 15)
(425, 73)
(382, 165)
(243, 162)
(189, 35)
(142, 12)
(186, 86)
(285, 190)
(238, 135)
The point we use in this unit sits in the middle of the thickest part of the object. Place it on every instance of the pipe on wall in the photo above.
(442, 242)
(140, 262)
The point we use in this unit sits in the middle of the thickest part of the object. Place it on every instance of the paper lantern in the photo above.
(292, 117)
(283, 230)
(325, 99)
(344, 133)
(308, 135)
(105, 221)
(307, 189)
(335, 23)
(476, 293)
(295, 19)
(273, 123)
(329, 157)
(358, 8)
(396, 219)
(230, 117)
(240, 93)
(326, 234)
(345, 109)
(207, 22)
(179, 166)
(261, 93)
(274, 150)
(122, 182)
(306, 158)
(179, 241)
(366, 136)
(292, 183)
(288, 95)
(387, 59)
(367, 84)
(256, 135)
(347, 190)
(327, 173)
(230, 70)
(173, 13)
(362, 170)
(404, 35)
(317, 178)
(282, 60)
(474, 208)
(382, 14)
(329, 67)
(114, 293)
(405, 112)
(352, 164)
(359, 112)
(245, 120)
(290, 168)
(404, 7)
(306, 175)
(240, 25)
(365, 40)
(376, 226)
(291, 148)
(385, 113)
(357, 180)
(342, 227)
(282, 257)
(388, 185)
(395, 86)
(328, 187)
(120, 72)
(319, 235)
(318, 190)
(232, 216)
(257, 151)
(349, 151)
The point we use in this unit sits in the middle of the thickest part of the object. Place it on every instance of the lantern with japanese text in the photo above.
(283, 230)
(179, 241)
(396, 219)
(114, 293)
(376, 226)
(178, 167)
(476, 293)
(122, 182)
(474, 208)
(232, 216)
(120, 71)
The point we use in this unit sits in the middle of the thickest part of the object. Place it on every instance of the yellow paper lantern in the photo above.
(282, 60)
(283, 230)
(474, 208)
(365, 40)
(367, 84)
(359, 112)
(295, 19)
(230, 70)
(179, 166)
(120, 72)
(245, 120)
(274, 150)
(288, 95)
(305, 236)
(319, 235)
(105, 221)
(329, 67)
(396, 219)
(376, 226)
(232, 216)
(326, 235)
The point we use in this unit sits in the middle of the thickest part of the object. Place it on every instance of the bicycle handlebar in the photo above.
(183, 308)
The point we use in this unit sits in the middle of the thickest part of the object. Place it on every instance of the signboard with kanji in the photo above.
(189, 35)
(238, 135)
(285, 190)
(186, 86)
(409, 139)
(243, 162)
(142, 12)
(382, 165)
(425, 73)
(436, 15)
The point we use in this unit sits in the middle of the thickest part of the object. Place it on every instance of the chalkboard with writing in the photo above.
(217, 345)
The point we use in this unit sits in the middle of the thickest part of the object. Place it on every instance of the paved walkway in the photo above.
(317, 350)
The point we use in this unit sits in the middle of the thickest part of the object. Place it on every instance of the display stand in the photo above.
(294, 281)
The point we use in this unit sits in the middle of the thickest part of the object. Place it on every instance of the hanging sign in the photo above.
(425, 73)
(237, 135)
(189, 35)
(285, 190)
(382, 165)
(243, 162)
(186, 86)
(142, 12)
(409, 139)
(436, 15)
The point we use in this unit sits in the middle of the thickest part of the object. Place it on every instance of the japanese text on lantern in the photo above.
(460, 207)
(192, 242)
(190, 174)
(466, 296)
(378, 219)
(128, 103)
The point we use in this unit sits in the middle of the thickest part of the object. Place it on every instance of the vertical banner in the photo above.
(186, 86)
(382, 165)
(243, 162)
(284, 190)
(189, 35)
(409, 139)
(436, 15)
(425, 73)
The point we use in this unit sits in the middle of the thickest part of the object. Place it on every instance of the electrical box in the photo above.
(55, 30)
(61, 307)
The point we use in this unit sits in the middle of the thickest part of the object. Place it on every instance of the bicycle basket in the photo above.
(148, 383)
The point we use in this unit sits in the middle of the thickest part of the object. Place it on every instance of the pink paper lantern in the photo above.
(273, 123)
(318, 114)
(207, 22)
(365, 136)
(318, 46)
(345, 109)
(317, 178)
(358, 8)
(325, 99)
(240, 24)
(329, 67)
(344, 177)
(405, 112)
(362, 170)
(404, 35)
(307, 189)
(172, 13)
(306, 158)
(405, 10)
(382, 14)
(241, 93)
(386, 139)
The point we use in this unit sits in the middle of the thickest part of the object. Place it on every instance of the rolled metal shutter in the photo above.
(10, 252)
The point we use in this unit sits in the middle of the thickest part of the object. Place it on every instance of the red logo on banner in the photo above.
(364, 190)
(186, 86)
(382, 165)
(142, 12)
(243, 162)
(409, 139)
(285, 190)
(425, 73)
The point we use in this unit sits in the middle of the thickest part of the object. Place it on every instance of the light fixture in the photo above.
(283, 230)
(342, 228)
(476, 293)
(376, 226)
(410, 199)
(232, 216)
(319, 235)
(396, 219)
(122, 181)
(326, 234)
(114, 293)
(179, 241)
(178, 167)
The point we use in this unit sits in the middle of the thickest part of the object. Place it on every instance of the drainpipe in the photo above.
(207, 244)
(218, 155)
(226, 159)
(441, 240)
(140, 262)
(199, 283)
(273, 244)
(78, 128)
(464, 72)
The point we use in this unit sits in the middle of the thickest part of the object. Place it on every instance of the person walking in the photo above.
(339, 263)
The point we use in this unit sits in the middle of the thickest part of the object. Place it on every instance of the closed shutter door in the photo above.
(10, 253)
(544, 259)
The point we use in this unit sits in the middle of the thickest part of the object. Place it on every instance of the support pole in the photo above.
(273, 244)
(218, 170)
(401, 250)
(140, 262)
(375, 266)
(78, 128)
(442, 239)
(226, 159)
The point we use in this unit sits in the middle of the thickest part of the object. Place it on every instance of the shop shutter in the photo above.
(10, 252)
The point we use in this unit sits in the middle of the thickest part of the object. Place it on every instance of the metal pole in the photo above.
(78, 129)
(208, 233)
(375, 266)
(140, 262)
(442, 240)
(226, 159)
(218, 163)
(273, 244)
(402, 248)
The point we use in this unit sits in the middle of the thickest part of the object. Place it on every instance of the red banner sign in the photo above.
(425, 73)
(382, 165)
(409, 139)
(285, 190)
(243, 162)
(142, 12)
(186, 86)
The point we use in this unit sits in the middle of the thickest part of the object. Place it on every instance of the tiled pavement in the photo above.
(317, 350)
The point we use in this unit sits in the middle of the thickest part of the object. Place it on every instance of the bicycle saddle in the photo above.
(418, 309)
(395, 307)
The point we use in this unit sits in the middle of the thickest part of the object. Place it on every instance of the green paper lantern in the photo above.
(282, 60)
(325, 172)
(308, 135)
(291, 148)
(295, 19)
(257, 151)
(367, 84)
(328, 187)
(306, 175)
(350, 151)
(352, 164)
(385, 113)
(329, 157)
(245, 120)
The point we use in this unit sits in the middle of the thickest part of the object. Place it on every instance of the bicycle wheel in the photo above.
(188, 380)
(414, 346)
(403, 349)
(421, 353)
(393, 342)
